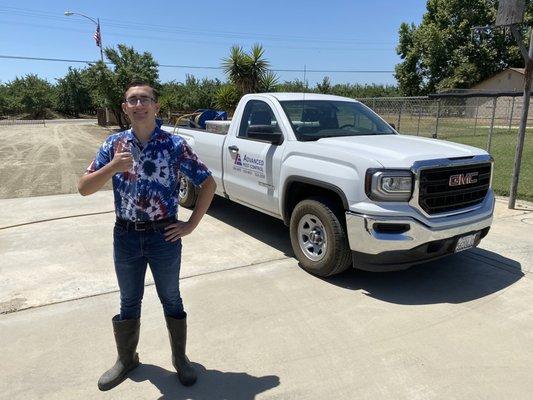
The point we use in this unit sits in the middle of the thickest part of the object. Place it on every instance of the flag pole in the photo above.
(100, 41)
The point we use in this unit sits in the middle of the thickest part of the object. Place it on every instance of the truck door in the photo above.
(252, 166)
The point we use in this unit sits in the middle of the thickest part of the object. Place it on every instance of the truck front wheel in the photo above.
(187, 194)
(318, 237)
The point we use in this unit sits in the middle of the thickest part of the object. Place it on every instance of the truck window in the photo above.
(258, 117)
(317, 119)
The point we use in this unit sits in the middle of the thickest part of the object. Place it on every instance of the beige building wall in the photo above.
(510, 80)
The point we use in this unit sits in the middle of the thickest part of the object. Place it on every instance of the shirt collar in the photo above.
(156, 134)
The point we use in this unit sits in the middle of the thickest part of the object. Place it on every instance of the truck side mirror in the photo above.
(265, 133)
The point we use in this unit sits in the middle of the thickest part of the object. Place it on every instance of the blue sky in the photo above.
(320, 35)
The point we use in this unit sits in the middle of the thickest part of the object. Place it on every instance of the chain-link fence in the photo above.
(448, 117)
(489, 123)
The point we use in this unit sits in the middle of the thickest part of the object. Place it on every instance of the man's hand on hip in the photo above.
(177, 230)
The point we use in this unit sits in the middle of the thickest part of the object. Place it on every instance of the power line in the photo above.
(353, 71)
(170, 38)
(47, 59)
(187, 30)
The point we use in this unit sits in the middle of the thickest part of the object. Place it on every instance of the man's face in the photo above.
(140, 105)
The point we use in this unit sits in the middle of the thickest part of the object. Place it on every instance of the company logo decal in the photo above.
(253, 166)
(463, 179)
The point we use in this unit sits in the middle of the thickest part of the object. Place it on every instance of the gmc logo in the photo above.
(463, 179)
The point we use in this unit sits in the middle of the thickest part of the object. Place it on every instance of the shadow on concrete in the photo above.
(211, 384)
(522, 208)
(459, 278)
(267, 229)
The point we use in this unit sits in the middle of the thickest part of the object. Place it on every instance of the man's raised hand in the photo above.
(122, 162)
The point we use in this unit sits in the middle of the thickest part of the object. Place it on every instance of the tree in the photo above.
(324, 86)
(249, 72)
(73, 95)
(3, 100)
(188, 96)
(107, 86)
(442, 53)
(355, 90)
(296, 86)
(31, 95)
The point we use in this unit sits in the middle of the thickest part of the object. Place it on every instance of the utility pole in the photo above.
(98, 37)
(510, 15)
(528, 74)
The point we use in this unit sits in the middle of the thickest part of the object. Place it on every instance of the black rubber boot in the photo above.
(126, 337)
(177, 332)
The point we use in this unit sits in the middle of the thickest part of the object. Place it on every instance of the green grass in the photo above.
(503, 149)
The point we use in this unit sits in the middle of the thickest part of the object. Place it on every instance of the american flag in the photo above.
(97, 37)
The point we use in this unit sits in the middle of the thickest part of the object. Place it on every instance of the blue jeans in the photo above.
(132, 252)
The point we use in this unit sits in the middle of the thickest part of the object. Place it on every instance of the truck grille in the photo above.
(452, 188)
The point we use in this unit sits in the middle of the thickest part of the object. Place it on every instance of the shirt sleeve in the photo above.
(190, 164)
(102, 158)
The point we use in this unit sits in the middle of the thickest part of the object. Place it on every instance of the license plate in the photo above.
(465, 242)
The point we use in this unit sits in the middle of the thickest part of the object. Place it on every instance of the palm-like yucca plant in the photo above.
(235, 67)
(257, 67)
(246, 70)
(227, 97)
(269, 82)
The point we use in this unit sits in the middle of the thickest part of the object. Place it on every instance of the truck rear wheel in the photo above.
(187, 194)
(318, 238)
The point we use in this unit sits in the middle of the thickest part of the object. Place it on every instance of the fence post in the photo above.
(491, 129)
(435, 134)
(419, 116)
(477, 113)
(374, 104)
(511, 116)
(399, 116)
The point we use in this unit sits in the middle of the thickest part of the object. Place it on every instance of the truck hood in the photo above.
(400, 151)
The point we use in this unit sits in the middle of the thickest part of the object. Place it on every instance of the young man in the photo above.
(144, 163)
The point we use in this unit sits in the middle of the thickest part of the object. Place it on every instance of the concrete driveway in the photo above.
(260, 327)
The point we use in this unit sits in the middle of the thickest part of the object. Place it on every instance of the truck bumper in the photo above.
(388, 243)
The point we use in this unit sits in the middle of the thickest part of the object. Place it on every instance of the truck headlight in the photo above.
(389, 185)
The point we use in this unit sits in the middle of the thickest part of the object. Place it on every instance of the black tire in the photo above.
(336, 256)
(187, 193)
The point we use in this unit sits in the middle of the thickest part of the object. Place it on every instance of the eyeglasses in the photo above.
(133, 101)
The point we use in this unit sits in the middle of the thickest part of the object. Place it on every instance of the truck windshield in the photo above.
(317, 119)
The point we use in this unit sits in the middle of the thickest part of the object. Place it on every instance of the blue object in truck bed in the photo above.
(207, 114)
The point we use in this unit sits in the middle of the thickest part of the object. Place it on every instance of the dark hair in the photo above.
(142, 83)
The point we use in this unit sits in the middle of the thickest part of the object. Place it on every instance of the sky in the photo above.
(334, 35)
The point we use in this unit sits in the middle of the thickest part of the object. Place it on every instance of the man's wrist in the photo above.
(193, 223)
(111, 168)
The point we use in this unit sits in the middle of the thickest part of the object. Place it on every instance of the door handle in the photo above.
(233, 149)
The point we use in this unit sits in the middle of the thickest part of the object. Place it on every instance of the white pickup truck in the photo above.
(351, 189)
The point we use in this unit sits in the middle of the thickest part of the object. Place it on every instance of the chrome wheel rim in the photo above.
(312, 237)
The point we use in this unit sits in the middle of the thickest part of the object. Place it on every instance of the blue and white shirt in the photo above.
(149, 191)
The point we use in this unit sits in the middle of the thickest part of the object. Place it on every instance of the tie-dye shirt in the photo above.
(149, 191)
